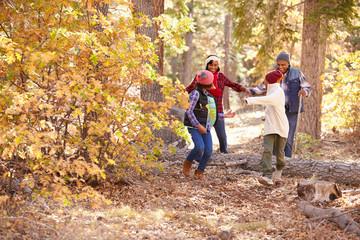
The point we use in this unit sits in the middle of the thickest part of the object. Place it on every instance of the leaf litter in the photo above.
(167, 205)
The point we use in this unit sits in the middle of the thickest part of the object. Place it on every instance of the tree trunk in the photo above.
(180, 67)
(187, 77)
(226, 100)
(318, 191)
(339, 172)
(335, 171)
(311, 55)
(150, 92)
(174, 68)
(158, 9)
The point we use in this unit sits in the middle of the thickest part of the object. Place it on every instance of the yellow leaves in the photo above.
(53, 135)
(10, 58)
(4, 202)
(80, 167)
(43, 124)
(18, 140)
(39, 59)
(72, 101)
(34, 151)
(9, 47)
(341, 104)
(2, 139)
(77, 113)
(47, 57)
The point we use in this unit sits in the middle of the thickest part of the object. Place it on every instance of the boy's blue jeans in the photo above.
(203, 147)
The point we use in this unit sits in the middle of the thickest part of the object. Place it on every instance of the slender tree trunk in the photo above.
(227, 24)
(310, 66)
(158, 9)
(150, 92)
(187, 78)
(322, 54)
(174, 68)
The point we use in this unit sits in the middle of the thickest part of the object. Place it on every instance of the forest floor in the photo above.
(167, 205)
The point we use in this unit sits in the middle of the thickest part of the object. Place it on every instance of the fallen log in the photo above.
(334, 171)
(228, 164)
(343, 220)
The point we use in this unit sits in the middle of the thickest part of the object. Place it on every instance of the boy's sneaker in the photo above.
(265, 180)
(277, 175)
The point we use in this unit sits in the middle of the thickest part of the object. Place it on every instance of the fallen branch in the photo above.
(343, 220)
(328, 216)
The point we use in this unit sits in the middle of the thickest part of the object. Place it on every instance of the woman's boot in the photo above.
(187, 167)
(199, 175)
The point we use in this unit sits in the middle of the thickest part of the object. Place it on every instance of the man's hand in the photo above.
(201, 129)
(229, 114)
(302, 93)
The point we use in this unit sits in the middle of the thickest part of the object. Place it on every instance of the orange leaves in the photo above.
(70, 104)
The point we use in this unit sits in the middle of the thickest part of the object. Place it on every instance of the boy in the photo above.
(276, 126)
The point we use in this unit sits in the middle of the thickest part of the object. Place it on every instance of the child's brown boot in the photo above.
(199, 175)
(187, 167)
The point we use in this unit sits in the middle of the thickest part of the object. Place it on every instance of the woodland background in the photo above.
(89, 89)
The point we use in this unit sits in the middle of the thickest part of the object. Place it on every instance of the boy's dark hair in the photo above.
(211, 61)
(198, 85)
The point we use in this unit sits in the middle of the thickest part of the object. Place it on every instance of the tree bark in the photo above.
(174, 68)
(150, 92)
(311, 55)
(158, 9)
(318, 191)
(187, 77)
(335, 215)
(335, 171)
(226, 100)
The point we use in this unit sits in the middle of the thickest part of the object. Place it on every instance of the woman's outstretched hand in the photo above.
(229, 114)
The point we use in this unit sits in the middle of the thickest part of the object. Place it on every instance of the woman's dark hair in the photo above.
(211, 61)
(198, 85)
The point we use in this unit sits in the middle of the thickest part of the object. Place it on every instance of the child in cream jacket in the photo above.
(276, 127)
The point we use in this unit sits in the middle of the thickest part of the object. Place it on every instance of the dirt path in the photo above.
(166, 205)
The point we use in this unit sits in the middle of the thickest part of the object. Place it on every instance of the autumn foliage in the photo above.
(70, 104)
(342, 103)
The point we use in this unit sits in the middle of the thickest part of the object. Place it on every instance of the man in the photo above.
(294, 85)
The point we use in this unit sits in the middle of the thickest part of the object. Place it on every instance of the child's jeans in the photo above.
(277, 143)
(203, 147)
